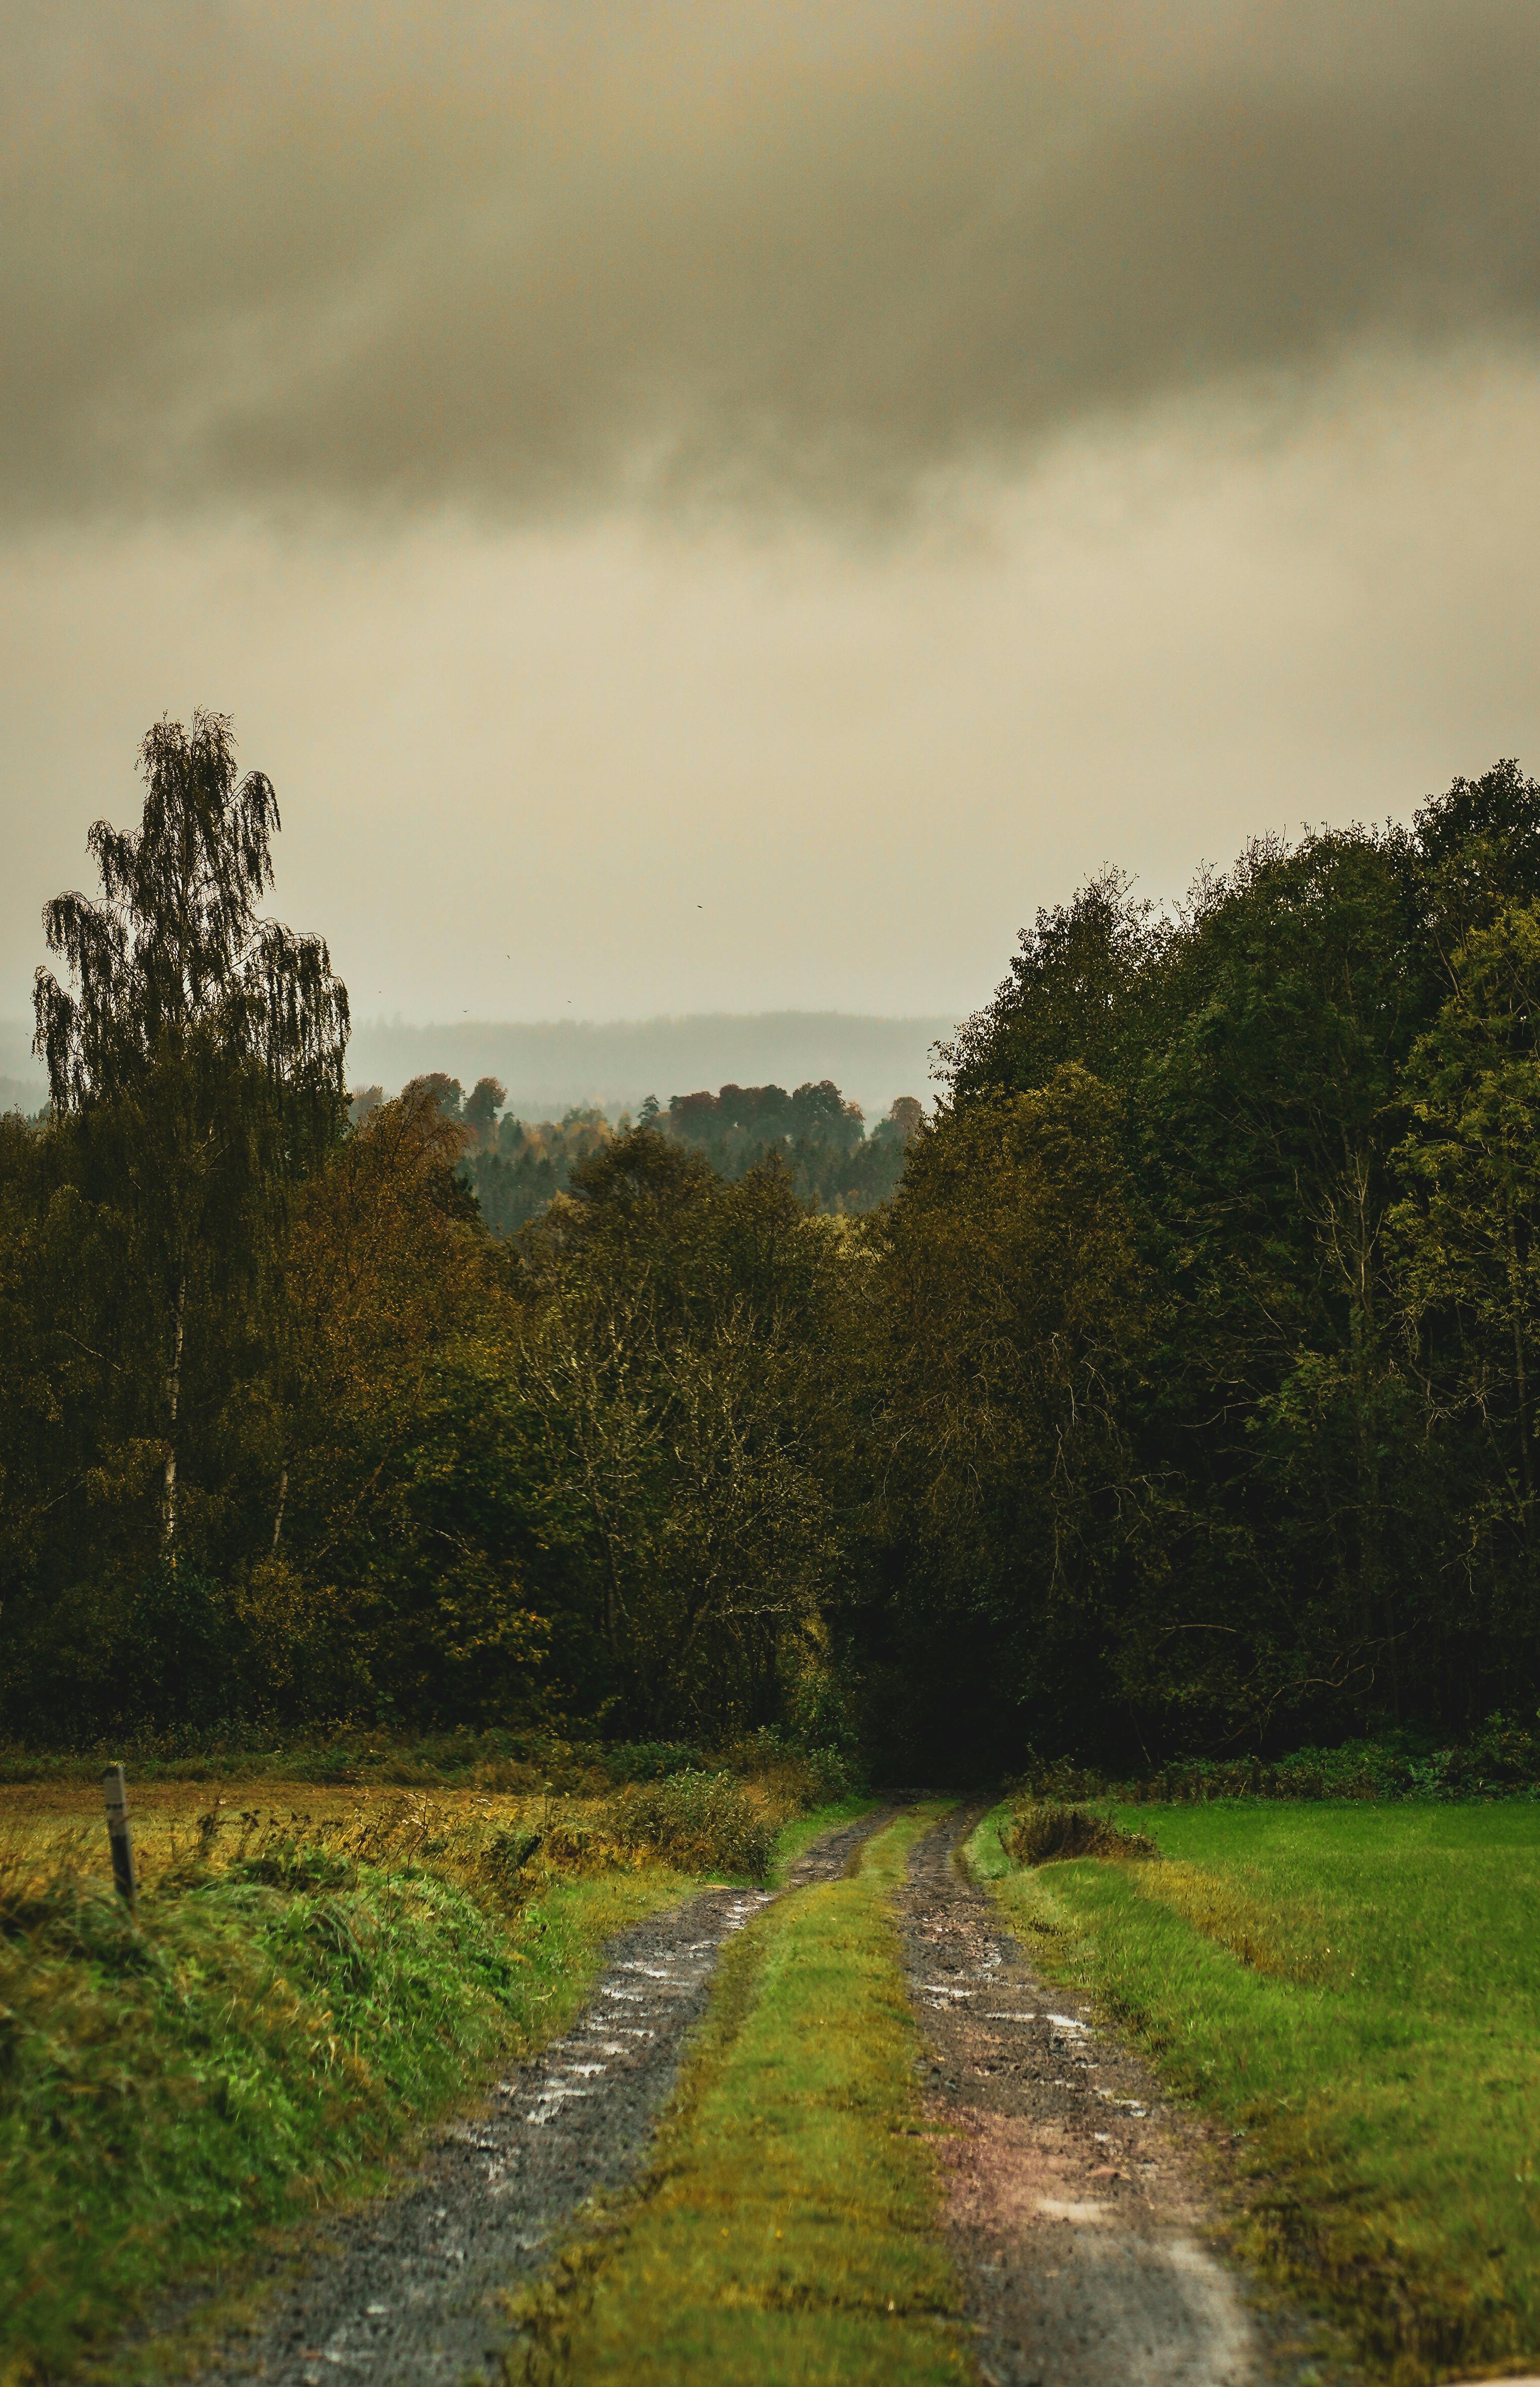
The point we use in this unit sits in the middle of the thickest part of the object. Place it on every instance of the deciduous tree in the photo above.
(195, 1056)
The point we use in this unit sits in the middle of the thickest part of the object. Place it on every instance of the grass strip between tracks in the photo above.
(788, 2228)
(1353, 1990)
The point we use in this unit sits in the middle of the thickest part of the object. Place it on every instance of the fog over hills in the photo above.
(550, 1065)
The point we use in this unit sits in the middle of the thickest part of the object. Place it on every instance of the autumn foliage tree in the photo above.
(403, 1521)
(672, 1416)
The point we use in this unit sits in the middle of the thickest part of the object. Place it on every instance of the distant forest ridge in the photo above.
(552, 1066)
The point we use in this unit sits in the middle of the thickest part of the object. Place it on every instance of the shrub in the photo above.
(507, 1853)
(793, 1774)
(1501, 1760)
(649, 1760)
(287, 1862)
(703, 1823)
(1045, 1834)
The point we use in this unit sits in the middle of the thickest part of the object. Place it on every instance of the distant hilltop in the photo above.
(553, 1066)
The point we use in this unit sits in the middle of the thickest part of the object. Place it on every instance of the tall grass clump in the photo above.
(699, 1822)
(1044, 1832)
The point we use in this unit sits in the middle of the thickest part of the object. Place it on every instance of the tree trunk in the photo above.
(1520, 1375)
(173, 1402)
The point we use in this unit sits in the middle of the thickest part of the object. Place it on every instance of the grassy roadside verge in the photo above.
(280, 2023)
(245, 2055)
(1353, 1990)
(787, 2229)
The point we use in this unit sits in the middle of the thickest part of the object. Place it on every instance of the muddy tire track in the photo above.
(1077, 2216)
(409, 2288)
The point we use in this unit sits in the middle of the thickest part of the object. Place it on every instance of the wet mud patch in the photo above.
(1077, 2214)
(411, 2288)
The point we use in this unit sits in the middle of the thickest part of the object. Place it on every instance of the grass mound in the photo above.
(1045, 1832)
(701, 1823)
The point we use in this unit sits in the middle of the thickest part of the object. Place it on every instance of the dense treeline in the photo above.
(1180, 1399)
(516, 1167)
(1223, 1260)
(837, 1169)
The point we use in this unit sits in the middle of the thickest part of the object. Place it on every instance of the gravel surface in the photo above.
(1077, 2216)
(406, 2289)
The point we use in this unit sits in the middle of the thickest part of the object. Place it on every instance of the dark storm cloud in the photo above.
(524, 259)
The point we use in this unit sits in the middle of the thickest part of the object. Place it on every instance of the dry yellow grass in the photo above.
(57, 1831)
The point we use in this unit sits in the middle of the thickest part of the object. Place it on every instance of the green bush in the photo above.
(1501, 1760)
(806, 1775)
(507, 1853)
(701, 1822)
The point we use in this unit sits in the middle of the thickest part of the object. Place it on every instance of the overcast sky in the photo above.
(730, 507)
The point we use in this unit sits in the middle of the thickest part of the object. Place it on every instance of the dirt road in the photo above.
(1077, 2220)
(406, 2289)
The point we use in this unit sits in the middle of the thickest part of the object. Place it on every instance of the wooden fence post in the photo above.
(120, 1836)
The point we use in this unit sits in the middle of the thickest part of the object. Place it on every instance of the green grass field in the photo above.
(788, 2228)
(1354, 1989)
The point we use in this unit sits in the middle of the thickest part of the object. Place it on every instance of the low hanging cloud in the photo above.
(524, 260)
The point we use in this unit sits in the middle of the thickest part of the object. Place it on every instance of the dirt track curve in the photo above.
(406, 2289)
(1078, 2222)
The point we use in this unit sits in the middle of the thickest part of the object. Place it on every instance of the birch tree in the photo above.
(197, 1051)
